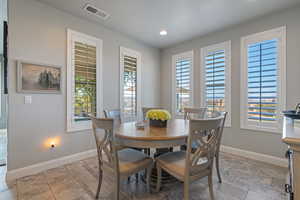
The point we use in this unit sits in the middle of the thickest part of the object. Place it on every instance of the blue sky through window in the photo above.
(215, 80)
(262, 80)
(183, 84)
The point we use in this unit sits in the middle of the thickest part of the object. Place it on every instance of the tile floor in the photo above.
(243, 179)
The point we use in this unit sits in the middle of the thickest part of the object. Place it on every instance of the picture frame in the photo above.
(38, 78)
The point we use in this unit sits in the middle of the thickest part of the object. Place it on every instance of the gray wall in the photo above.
(261, 142)
(37, 33)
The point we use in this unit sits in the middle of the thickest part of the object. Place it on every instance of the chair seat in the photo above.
(174, 163)
(132, 161)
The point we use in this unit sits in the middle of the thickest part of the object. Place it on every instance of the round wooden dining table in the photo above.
(131, 135)
(160, 139)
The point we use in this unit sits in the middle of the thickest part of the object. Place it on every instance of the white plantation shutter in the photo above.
(130, 74)
(183, 66)
(216, 78)
(263, 80)
(130, 87)
(85, 94)
(215, 81)
(84, 80)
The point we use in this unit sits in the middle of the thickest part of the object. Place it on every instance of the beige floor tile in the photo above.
(265, 195)
(83, 177)
(64, 187)
(34, 187)
(243, 179)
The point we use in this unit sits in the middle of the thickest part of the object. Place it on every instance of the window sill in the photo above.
(79, 126)
(274, 130)
(74, 130)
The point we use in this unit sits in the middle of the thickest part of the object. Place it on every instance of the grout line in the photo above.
(17, 190)
(52, 193)
(76, 181)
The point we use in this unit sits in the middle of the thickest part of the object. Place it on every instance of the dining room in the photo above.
(150, 100)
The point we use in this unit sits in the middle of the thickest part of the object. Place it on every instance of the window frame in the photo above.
(181, 56)
(226, 46)
(138, 56)
(280, 34)
(72, 36)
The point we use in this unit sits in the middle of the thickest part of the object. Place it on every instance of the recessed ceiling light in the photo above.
(163, 32)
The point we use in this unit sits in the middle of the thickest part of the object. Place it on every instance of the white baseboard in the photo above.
(40, 167)
(255, 156)
(37, 168)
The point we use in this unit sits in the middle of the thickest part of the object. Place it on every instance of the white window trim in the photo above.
(279, 33)
(226, 46)
(184, 55)
(73, 126)
(138, 56)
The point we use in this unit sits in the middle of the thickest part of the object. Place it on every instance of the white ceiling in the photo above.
(183, 19)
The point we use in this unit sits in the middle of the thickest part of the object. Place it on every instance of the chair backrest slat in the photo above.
(103, 130)
(200, 112)
(224, 114)
(113, 114)
(202, 142)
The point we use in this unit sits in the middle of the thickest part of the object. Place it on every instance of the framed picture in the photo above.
(38, 78)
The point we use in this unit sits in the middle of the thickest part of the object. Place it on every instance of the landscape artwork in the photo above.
(36, 78)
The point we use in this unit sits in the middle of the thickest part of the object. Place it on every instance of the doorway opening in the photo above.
(3, 85)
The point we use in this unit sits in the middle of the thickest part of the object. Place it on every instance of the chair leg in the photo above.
(218, 168)
(149, 170)
(99, 183)
(210, 185)
(147, 151)
(186, 190)
(117, 188)
(137, 177)
(158, 178)
(183, 147)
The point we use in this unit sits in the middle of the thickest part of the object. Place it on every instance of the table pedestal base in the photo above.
(166, 178)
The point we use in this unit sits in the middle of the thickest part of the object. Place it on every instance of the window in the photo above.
(130, 83)
(263, 80)
(83, 80)
(182, 82)
(216, 78)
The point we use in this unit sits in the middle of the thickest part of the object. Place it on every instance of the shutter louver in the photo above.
(183, 84)
(262, 81)
(84, 60)
(215, 81)
(130, 88)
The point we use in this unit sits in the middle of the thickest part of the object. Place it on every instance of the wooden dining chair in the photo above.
(121, 163)
(200, 112)
(187, 166)
(214, 114)
(113, 114)
(187, 115)
(116, 115)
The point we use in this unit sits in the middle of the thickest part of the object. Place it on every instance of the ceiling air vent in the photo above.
(96, 11)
